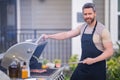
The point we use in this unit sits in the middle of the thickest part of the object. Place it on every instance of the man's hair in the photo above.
(89, 5)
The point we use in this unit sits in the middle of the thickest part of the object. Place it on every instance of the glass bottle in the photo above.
(24, 71)
(14, 69)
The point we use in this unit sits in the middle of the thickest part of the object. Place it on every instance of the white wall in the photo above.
(51, 14)
(18, 19)
(114, 20)
(107, 23)
(77, 7)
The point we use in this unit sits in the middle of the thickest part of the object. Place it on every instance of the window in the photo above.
(118, 27)
(118, 5)
(118, 20)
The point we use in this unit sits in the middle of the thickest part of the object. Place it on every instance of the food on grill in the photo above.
(43, 72)
(38, 70)
(44, 66)
(50, 65)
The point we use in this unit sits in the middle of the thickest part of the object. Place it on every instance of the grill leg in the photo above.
(61, 77)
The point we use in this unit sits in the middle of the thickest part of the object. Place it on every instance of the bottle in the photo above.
(19, 69)
(14, 69)
(28, 68)
(24, 71)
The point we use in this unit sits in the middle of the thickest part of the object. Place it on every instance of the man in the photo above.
(96, 46)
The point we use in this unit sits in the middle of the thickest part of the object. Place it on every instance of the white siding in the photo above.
(114, 20)
(26, 14)
(100, 7)
(48, 14)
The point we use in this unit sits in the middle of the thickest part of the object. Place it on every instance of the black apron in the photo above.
(96, 71)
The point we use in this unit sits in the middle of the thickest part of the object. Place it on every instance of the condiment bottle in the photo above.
(24, 71)
(14, 69)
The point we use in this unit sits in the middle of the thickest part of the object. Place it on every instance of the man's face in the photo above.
(89, 15)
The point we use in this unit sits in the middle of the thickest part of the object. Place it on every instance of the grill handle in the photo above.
(40, 39)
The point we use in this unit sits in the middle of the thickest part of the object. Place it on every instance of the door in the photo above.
(7, 24)
(3, 22)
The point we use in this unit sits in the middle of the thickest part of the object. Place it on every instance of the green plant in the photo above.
(113, 65)
(68, 73)
(73, 58)
(57, 61)
(45, 61)
(113, 69)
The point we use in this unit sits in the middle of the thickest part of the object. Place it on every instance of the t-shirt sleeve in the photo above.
(106, 36)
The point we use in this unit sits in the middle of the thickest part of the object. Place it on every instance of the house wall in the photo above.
(26, 13)
(114, 20)
(100, 8)
(49, 14)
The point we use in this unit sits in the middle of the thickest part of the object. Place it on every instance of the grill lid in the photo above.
(23, 51)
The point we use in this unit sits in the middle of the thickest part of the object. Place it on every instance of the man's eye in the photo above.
(90, 13)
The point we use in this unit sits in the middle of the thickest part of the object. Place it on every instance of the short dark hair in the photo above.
(89, 5)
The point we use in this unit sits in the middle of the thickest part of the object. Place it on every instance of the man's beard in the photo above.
(91, 20)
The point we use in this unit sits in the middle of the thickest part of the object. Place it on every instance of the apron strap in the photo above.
(93, 29)
(85, 28)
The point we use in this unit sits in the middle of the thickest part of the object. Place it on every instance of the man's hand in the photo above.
(88, 61)
(45, 36)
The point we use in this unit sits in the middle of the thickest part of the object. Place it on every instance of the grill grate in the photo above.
(49, 72)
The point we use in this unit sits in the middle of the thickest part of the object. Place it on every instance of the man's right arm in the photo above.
(64, 35)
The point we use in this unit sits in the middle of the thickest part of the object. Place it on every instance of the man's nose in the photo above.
(87, 15)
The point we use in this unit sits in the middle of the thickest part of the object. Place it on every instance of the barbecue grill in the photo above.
(30, 51)
(50, 74)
